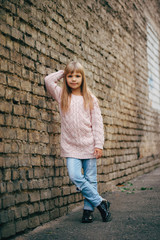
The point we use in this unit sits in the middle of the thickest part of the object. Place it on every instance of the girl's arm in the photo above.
(97, 125)
(51, 84)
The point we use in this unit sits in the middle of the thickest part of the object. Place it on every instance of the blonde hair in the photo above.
(66, 90)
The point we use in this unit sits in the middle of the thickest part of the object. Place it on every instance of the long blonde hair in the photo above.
(66, 90)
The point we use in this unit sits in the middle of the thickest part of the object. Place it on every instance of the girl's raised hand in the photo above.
(56, 75)
(98, 152)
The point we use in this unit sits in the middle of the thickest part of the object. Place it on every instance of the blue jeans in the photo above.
(87, 182)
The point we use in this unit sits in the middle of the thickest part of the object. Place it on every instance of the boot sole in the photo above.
(83, 221)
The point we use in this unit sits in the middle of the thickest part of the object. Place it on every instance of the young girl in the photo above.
(82, 135)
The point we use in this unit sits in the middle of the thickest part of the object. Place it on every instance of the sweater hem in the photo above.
(78, 156)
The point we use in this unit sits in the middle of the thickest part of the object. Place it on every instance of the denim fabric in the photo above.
(86, 182)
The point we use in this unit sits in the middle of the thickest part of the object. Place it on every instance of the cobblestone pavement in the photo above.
(135, 208)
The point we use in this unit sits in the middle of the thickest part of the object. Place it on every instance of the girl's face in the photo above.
(74, 81)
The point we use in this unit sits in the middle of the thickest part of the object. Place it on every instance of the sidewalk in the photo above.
(135, 216)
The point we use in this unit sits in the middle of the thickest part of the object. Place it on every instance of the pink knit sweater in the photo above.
(81, 130)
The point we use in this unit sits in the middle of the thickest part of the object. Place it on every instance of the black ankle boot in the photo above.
(104, 210)
(87, 216)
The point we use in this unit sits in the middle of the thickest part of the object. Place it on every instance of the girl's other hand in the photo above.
(98, 152)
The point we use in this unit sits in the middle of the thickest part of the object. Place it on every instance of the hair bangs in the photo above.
(74, 67)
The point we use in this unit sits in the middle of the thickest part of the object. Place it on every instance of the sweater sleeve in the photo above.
(51, 84)
(97, 125)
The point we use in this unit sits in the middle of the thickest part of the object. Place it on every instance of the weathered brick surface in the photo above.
(39, 37)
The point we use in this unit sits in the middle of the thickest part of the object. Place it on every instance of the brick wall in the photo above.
(39, 37)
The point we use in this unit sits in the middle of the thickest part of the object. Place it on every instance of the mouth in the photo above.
(73, 84)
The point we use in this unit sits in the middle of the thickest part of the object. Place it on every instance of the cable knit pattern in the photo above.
(81, 130)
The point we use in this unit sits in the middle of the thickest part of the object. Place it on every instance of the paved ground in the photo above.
(135, 210)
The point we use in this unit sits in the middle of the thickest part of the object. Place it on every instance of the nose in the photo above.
(74, 78)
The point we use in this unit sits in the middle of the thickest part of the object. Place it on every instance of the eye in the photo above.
(69, 76)
(78, 76)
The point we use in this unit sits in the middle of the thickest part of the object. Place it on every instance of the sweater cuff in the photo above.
(100, 146)
(60, 74)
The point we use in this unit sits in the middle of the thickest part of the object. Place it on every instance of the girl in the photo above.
(82, 135)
